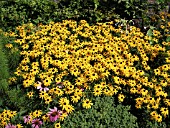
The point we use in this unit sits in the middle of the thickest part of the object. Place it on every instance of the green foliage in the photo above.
(102, 10)
(144, 121)
(17, 12)
(17, 100)
(103, 114)
(4, 70)
(12, 54)
(10, 98)
(151, 10)
(4, 75)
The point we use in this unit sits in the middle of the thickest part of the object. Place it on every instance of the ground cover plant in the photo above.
(103, 114)
(64, 65)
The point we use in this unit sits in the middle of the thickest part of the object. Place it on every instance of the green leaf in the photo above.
(149, 32)
(96, 3)
(168, 39)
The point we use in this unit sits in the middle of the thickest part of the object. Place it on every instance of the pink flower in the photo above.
(41, 87)
(10, 126)
(36, 123)
(60, 84)
(54, 114)
(27, 119)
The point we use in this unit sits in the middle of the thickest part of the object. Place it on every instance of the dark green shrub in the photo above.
(17, 12)
(103, 114)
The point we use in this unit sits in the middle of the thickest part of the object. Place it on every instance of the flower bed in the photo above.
(64, 65)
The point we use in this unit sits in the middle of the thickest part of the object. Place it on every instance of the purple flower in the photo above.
(10, 126)
(54, 114)
(41, 87)
(36, 123)
(27, 119)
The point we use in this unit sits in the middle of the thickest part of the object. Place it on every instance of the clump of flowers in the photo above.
(64, 62)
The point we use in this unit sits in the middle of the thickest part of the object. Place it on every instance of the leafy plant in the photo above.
(103, 114)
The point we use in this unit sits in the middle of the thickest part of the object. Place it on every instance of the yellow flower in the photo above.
(69, 108)
(164, 111)
(8, 45)
(87, 103)
(58, 91)
(167, 102)
(30, 94)
(64, 102)
(37, 113)
(45, 118)
(57, 125)
(138, 106)
(107, 92)
(75, 98)
(158, 118)
(133, 90)
(144, 92)
(93, 76)
(139, 100)
(168, 59)
(3, 123)
(97, 91)
(19, 126)
(78, 92)
(116, 80)
(48, 99)
(121, 97)
(63, 115)
(153, 114)
(27, 83)
(157, 71)
(43, 95)
(155, 106)
(113, 91)
(47, 81)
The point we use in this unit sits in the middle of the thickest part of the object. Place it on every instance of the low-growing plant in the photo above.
(103, 114)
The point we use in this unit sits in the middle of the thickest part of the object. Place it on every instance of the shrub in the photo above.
(16, 12)
(103, 114)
